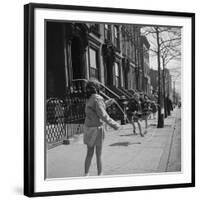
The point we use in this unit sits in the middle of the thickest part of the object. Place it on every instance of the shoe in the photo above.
(141, 134)
(87, 174)
(134, 133)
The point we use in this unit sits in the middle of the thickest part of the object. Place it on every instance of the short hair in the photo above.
(93, 84)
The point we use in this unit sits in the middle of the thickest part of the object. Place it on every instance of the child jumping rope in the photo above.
(96, 116)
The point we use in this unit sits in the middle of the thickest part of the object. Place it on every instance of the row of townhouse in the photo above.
(167, 84)
(116, 54)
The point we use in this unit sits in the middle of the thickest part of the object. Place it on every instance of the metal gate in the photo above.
(55, 121)
(64, 118)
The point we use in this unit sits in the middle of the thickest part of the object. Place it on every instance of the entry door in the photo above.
(77, 59)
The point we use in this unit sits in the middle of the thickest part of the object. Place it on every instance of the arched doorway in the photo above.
(55, 62)
(109, 59)
(77, 58)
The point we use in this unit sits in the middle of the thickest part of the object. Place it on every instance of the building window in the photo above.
(123, 40)
(116, 75)
(107, 32)
(95, 28)
(116, 36)
(122, 77)
(93, 63)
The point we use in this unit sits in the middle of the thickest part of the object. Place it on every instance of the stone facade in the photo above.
(111, 53)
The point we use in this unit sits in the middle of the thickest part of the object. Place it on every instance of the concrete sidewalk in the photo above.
(123, 152)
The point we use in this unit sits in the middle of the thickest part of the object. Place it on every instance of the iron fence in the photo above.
(64, 118)
(55, 126)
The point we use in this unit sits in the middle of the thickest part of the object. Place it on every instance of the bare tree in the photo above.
(170, 51)
(166, 46)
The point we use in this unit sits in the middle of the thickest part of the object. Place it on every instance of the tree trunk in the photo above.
(160, 108)
(164, 93)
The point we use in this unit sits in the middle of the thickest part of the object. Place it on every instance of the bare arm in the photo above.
(101, 112)
(109, 102)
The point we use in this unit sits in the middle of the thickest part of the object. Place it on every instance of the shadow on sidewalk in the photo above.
(124, 143)
(131, 134)
(153, 125)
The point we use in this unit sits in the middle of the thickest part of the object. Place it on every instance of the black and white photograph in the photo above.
(109, 102)
(113, 99)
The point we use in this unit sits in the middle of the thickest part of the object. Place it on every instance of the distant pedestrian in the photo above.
(94, 131)
(134, 113)
(169, 106)
(179, 104)
(154, 109)
(146, 109)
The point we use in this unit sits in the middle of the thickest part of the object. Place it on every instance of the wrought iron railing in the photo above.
(55, 121)
(128, 94)
(65, 117)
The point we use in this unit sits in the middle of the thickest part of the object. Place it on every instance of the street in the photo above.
(123, 152)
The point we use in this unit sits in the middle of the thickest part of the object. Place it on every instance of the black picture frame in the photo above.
(29, 98)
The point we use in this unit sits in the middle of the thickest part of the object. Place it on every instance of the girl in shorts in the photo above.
(96, 116)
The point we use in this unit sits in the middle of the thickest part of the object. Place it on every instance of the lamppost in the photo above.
(124, 104)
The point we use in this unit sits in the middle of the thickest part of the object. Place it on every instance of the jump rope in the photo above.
(120, 108)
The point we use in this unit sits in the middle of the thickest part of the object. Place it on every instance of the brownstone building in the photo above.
(168, 82)
(109, 52)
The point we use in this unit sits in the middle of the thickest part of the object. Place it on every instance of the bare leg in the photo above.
(88, 159)
(99, 160)
(140, 129)
(134, 128)
(146, 124)
(133, 123)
